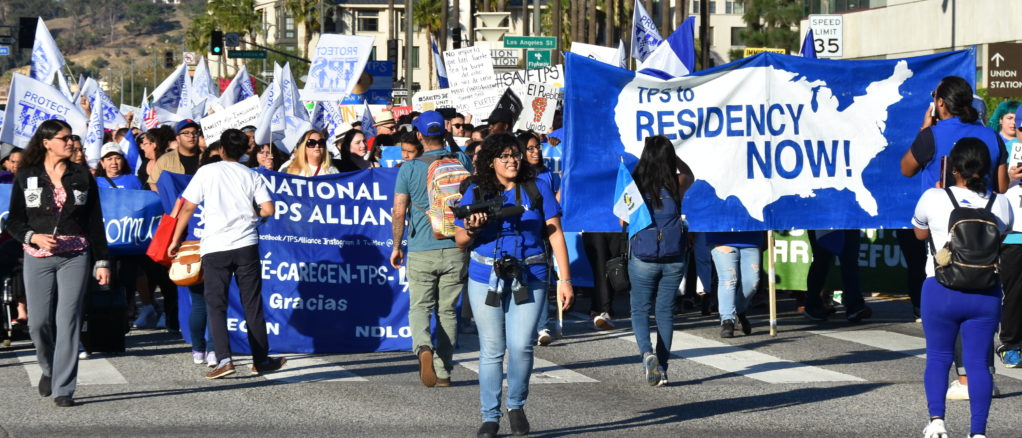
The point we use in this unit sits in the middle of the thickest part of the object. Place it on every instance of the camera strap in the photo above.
(517, 227)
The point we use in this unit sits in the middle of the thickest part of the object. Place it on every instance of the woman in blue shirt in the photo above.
(113, 171)
(506, 298)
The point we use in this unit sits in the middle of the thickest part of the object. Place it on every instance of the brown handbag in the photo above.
(186, 270)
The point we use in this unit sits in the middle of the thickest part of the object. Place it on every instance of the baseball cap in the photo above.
(501, 115)
(110, 148)
(1018, 117)
(430, 124)
(185, 124)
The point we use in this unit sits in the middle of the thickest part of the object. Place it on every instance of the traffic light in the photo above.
(26, 32)
(392, 50)
(216, 42)
(168, 59)
(456, 36)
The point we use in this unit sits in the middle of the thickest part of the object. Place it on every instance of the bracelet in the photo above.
(564, 281)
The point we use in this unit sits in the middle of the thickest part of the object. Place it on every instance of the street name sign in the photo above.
(247, 54)
(530, 42)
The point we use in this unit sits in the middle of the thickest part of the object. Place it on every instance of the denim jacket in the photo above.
(31, 209)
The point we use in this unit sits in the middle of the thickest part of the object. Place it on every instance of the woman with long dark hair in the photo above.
(973, 312)
(352, 148)
(507, 274)
(266, 156)
(55, 213)
(656, 263)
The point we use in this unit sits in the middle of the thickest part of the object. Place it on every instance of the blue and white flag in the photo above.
(203, 86)
(326, 117)
(239, 89)
(645, 36)
(775, 141)
(628, 203)
(62, 86)
(296, 117)
(111, 113)
(270, 104)
(677, 57)
(336, 66)
(438, 61)
(92, 142)
(171, 94)
(367, 122)
(808, 49)
(46, 57)
(131, 152)
(29, 103)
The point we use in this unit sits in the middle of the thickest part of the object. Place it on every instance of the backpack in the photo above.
(443, 179)
(665, 238)
(968, 261)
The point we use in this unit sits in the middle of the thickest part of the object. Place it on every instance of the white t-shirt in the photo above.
(309, 170)
(934, 210)
(227, 190)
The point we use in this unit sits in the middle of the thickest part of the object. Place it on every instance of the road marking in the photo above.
(543, 371)
(306, 368)
(904, 344)
(95, 371)
(748, 363)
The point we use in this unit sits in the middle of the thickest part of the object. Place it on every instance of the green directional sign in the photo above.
(7, 40)
(537, 58)
(530, 42)
(247, 54)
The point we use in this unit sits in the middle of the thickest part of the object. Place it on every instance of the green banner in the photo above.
(881, 264)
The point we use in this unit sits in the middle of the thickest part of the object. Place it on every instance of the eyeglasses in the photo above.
(933, 94)
(533, 148)
(315, 144)
(190, 133)
(65, 138)
(507, 158)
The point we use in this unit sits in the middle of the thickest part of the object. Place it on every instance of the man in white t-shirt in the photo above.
(230, 246)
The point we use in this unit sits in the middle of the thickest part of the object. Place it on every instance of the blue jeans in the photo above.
(510, 327)
(735, 266)
(657, 281)
(198, 321)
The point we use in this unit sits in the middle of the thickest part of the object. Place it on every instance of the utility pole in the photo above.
(131, 64)
(557, 20)
(408, 50)
(537, 17)
(704, 32)
(444, 11)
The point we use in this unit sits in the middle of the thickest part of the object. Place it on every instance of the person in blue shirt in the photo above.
(113, 171)
(507, 273)
(532, 150)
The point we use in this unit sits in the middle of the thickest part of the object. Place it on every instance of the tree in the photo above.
(145, 18)
(306, 13)
(225, 15)
(426, 15)
(772, 23)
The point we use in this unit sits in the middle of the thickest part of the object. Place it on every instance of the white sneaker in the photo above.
(603, 322)
(83, 355)
(957, 391)
(976, 436)
(146, 317)
(211, 359)
(544, 338)
(663, 378)
(935, 429)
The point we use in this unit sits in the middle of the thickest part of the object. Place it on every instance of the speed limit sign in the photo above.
(828, 35)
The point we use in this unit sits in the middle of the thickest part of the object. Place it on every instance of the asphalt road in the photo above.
(831, 379)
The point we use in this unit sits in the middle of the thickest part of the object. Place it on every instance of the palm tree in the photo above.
(426, 15)
(224, 15)
(306, 13)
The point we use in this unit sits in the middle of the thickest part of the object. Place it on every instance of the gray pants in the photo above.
(55, 287)
(435, 280)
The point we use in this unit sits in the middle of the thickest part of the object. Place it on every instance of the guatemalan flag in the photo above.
(441, 71)
(808, 49)
(628, 203)
(676, 57)
(367, 122)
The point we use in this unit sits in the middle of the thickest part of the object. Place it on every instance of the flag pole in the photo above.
(772, 283)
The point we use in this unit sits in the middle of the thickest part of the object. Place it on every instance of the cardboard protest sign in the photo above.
(235, 116)
(431, 100)
(337, 66)
(539, 102)
(471, 66)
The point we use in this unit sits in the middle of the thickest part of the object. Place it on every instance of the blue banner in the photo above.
(390, 156)
(327, 281)
(774, 141)
(130, 217)
(375, 86)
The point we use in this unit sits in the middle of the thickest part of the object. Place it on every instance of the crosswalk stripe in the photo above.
(543, 371)
(95, 371)
(307, 368)
(748, 363)
(900, 343)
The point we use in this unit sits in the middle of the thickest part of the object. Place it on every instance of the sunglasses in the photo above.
(460, 125)
(310, 143)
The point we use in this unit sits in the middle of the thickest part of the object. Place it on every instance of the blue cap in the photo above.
(557, 133)
(1018, 119)
(184, 124)
(430, 124)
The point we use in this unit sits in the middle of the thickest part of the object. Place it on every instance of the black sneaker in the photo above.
(864, 313)
(45, 386)
(813, 315)
(64, 401)
(727, 329)
(270, 364)
(488, 430)
(746, 325)
(519, 424)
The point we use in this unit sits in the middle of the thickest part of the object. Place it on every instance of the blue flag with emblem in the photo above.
(628, 203)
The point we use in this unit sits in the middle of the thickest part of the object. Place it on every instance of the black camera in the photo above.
(508, 267)
(494, 209)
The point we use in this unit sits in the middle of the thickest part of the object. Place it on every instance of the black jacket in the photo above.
(32, 210)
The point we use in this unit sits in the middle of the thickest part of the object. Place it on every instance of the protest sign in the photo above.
(29, 103)
(327, 281)
(375, 85)
(431, 100)
(882, 266)
(337, 66)
(776, 141)
(470, 66)
(553, 76)
(539, 101)
(477, 100)
(399, 111)
(235, 116)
